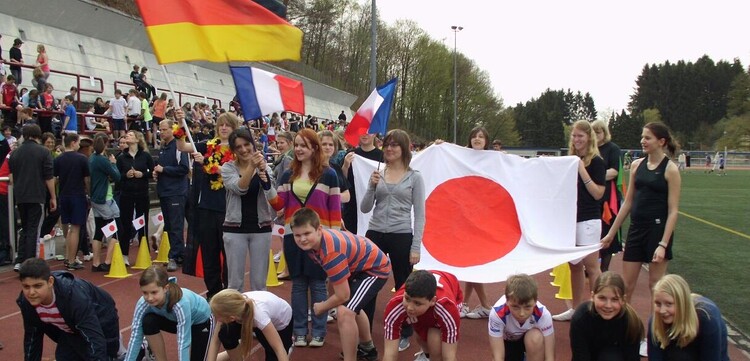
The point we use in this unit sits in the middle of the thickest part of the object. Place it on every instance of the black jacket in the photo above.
(143, 162)
(87, 309)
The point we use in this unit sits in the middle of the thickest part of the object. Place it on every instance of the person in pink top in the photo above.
(42, 60)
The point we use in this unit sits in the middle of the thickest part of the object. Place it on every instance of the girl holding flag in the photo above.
(211, 195)
(247, 224)
(478, 140)
(309, 183)
(653, 199)
(393, 194)
(590, 189)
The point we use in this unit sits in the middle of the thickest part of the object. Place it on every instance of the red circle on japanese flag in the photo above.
(140, 221)
(470, 221)
(112, 227)
(281, 231)
(160, 217)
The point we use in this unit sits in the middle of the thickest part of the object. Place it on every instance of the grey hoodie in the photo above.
(231, 176)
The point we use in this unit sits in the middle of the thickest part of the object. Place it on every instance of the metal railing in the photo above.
(180, 94)
(81, 89)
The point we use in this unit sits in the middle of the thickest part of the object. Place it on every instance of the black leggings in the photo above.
(398, 248)
(230, 335)
(201, 333)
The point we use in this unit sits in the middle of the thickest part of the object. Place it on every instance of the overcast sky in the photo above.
(599, 46)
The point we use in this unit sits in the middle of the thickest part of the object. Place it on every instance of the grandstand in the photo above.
(94, 48)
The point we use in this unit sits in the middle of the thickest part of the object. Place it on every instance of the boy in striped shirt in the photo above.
(79, 316)
(356, 268)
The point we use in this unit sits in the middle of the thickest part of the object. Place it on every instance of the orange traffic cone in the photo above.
(199, 263)
(163, 256)
(272, 280)
(117, 269)
(144, 255)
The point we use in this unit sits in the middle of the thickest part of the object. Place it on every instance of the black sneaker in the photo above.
(369, 355)
(362, 354)
(102, 267)
(73, 266)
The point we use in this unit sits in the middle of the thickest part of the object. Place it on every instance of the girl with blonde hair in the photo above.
(242, 314)
(591, 179)
(685, 326)
(136, 166)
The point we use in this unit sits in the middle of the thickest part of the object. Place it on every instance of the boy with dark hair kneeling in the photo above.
(79, 316)
(429, 301)
(519, 324)
(356, 268)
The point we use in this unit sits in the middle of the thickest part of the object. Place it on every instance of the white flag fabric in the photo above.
(109, 229)
(157, 219)
(277, 230)
(139, 222)
(489, 215)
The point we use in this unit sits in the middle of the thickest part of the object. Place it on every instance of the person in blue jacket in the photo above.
(685, 326)
(80, 317)
(167, 307)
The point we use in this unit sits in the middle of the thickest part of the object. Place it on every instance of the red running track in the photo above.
(472, 346)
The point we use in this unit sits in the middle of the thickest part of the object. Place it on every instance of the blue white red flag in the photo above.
(261, 92)
(372, 116)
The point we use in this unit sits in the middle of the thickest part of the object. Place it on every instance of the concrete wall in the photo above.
(85, 38)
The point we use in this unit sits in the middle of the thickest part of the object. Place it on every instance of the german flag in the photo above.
(218, 31)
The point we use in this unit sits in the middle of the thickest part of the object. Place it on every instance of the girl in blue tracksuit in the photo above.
(167, 307)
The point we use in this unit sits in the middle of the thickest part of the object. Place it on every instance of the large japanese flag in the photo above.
(490, 215)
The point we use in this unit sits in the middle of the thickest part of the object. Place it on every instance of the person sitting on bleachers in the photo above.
(94, 123)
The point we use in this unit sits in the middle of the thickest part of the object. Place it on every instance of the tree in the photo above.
(689, 96)
(738, 101)
(626, 130)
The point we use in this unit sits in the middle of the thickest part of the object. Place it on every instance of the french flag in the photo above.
(372, 116)
(261, 92)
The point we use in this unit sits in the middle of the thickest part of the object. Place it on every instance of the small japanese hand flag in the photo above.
(109, 229)
(139, 222)
(157, 219)
(277, 230)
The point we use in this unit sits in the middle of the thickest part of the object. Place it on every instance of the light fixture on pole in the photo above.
(455, 29)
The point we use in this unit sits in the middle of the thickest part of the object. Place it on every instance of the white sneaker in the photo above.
(479, 312)
(643, 351)
(333, 313)
(565, 316)
(126, 260)
(277, 257)
(300, 341)
(88, 257)
(47, 237)
(420, 356)
(463, 310)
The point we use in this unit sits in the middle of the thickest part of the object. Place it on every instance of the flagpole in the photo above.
(184, 123)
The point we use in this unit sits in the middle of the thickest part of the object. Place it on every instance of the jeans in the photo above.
(300, 305)
(173, 209)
